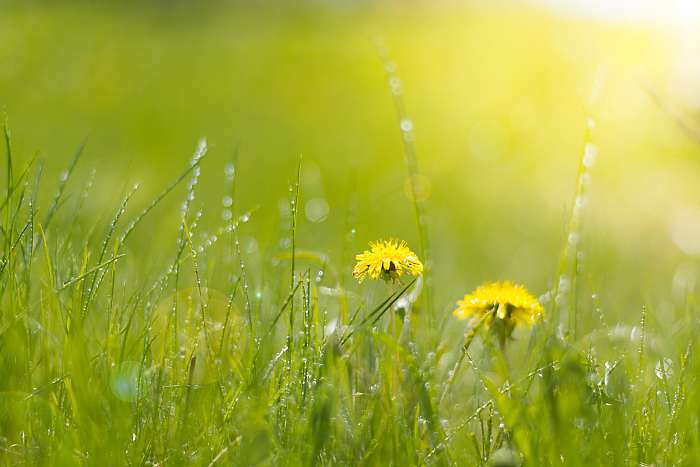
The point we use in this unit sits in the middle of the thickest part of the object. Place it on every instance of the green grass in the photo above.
(187, 367)
(207, 315)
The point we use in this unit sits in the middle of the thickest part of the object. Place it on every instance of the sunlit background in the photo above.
(499, 95)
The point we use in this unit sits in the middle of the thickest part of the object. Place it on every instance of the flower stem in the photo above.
(468, 339)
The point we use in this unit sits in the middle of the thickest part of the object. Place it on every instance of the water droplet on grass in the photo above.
(590, 154)
(664, 368)
(574, 238)
(229, 171)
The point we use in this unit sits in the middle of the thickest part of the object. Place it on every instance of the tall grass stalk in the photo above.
(411, 161)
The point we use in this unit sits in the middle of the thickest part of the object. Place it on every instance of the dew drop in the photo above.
(574, 238)
(664, 368)
(229, 171)
(590, 154)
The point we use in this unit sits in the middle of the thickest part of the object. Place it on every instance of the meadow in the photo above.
(186, 188)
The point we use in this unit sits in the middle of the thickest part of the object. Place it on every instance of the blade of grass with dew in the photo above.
(63, 181)
(410, 155)
(376, 314)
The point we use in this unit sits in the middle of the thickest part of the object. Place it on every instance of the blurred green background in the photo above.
(499, 94)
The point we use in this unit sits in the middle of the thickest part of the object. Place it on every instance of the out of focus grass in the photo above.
(499, 100)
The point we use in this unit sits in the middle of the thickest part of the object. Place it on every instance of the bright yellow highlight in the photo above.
(507, 301)
(386, 259)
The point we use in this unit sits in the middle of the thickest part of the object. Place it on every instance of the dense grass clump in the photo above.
(107, 358)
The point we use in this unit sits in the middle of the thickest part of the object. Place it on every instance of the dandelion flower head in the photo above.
(388, 260)
(506, 301)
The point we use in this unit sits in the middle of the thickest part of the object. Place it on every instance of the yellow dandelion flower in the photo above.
(386, 259)
(510, 303)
